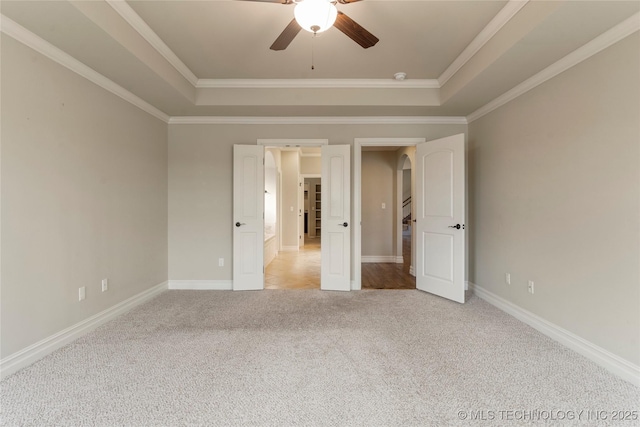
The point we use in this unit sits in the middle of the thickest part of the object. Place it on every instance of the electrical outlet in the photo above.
(507, 278)
(220, 262)
(531, 288)
(81, 293)
(105, 285)
(384, 206)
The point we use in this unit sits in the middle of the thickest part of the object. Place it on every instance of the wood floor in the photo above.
(301, 270)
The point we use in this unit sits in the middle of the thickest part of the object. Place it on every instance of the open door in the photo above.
(440, 221)
(336, 218)
(248, 217)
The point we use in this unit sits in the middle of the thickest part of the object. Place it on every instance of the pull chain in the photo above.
(312, 44)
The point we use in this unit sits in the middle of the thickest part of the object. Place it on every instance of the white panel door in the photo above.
(248, 217)
(440, 231)
(300, 211)
(336, 218)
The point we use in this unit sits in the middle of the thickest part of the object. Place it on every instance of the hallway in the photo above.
(295, 270)
(389, 275)
(301, 270)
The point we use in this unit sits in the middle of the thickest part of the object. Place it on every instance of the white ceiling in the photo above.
(212, 58)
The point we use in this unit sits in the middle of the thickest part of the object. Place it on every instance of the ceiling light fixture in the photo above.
(315, 16)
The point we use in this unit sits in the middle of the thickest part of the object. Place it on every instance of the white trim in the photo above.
(483, 37)
(138, 24)
(300, 142)
(26, 37)
(358, 143)
(399, 241)
(42, 348)
(318, 120)
(615, 364)
(201, 285)
(317, 84)
(380, 258)
(399, 260)
(412, 271)
(603, 41)
(290, 249)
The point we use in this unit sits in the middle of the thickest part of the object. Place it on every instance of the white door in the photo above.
(336, 218)
(248, 217)
(440, 230)
(300, 212)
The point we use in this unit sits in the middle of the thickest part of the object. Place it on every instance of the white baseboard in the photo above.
(201, 285)
(615, 364)
(412, 271)
(42, 348)
(290, 249)
(399, 260)
(379, 258)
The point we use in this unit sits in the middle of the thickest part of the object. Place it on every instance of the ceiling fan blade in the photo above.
(355, 31)
(347, 1)
(287, 36)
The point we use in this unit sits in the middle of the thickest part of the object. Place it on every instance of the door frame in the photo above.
(358, 143)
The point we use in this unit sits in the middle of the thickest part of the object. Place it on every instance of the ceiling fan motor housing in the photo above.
(315, 16)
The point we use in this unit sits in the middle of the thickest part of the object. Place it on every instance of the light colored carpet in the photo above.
(284, 358)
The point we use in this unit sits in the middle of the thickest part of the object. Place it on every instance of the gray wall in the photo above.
(84, 197)
(311, 165)
(406, 184)
(290, 218)
(555, 187)
(200, 184)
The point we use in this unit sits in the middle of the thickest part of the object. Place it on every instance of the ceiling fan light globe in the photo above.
(315, 16)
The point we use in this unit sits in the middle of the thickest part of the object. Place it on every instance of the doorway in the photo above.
(438, 238)
(362, 145)
(440, 213)
(297, 262)
(386, 217)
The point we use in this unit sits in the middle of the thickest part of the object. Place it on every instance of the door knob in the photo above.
(238, 224)
(457, 226)
(344, 224)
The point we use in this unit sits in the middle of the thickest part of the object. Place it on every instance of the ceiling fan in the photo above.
(317, 16)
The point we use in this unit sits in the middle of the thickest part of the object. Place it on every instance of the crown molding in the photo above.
(603, 41)
(499, 21)
(26, 37)
(329, 120)
(138, 24)
(317, 84)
